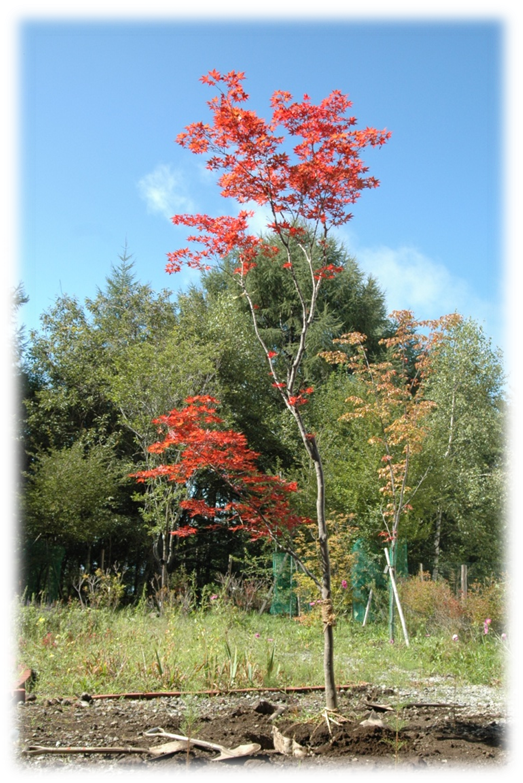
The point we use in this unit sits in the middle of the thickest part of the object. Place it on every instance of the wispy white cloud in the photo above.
(413, 281)
(164, 191)
(262, 216)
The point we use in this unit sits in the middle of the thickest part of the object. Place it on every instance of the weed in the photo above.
(267, 680)
(396, 743)
(77, 649)
(190, 720)
(102, 588)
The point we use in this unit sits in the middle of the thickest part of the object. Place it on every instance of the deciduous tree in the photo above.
(248, 499)
(462, 504)
(304, 166)
(73, 495)
(392, 396)
(21, 386)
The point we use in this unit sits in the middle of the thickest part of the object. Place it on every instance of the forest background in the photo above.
(97, 373)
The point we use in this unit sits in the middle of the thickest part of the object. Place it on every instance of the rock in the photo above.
(265, 707)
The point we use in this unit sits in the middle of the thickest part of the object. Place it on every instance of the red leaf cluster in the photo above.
(311, 171)
(301, 398)
(260, 503)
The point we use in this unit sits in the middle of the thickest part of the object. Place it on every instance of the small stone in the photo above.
(264, 707)
(373, 722)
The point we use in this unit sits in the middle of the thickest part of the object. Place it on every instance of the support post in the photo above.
(396, 596)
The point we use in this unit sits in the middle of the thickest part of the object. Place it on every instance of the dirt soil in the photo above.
(426, 726)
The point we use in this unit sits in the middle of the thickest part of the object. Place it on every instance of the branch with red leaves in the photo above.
(259, 503)
(304, 164)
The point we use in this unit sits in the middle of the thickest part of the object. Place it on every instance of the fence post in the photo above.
(464, 582)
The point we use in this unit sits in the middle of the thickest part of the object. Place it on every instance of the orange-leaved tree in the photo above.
(392, 397)
(304, 168)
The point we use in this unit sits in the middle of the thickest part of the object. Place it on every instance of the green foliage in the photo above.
(350, 461)
(83, 354)
(341, 539)
(71, 494)
(70, 398)
(348, 302)
(460, 509)
(249, 403)
(21, 386)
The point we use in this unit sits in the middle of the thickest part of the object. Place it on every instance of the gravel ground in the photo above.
(432, 724)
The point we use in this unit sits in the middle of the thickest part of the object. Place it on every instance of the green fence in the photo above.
(284, 600)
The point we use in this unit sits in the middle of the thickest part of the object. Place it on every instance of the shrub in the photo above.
(429, 606)
(246, 593)
(101, 590)
(485, 601)
(342, 558)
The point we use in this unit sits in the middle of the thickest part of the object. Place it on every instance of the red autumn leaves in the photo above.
(311, 172)
(257, 502)
(304, 167)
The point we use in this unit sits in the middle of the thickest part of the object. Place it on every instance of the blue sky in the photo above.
(100, 104)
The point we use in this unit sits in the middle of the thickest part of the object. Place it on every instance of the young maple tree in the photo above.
(303, 166)
(393, 398)
(259, 503)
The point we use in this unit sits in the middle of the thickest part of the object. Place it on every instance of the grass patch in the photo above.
(74, 649)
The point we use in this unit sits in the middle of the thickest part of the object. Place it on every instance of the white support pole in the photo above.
(396, 596)
(367, 608)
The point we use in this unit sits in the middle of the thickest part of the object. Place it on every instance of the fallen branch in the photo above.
(158, 751)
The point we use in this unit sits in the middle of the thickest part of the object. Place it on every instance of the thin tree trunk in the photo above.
(437, 539)
(308, 312)
(437, 536)
(327, 610)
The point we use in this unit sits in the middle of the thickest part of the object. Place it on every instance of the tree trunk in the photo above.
(327, 610)
(392, 571)
(437, 539)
